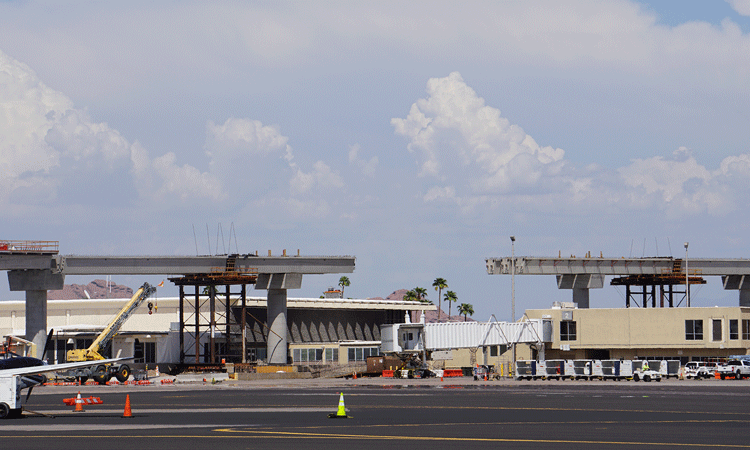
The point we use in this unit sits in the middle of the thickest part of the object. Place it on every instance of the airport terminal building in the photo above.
(320, 330)
(686, 334)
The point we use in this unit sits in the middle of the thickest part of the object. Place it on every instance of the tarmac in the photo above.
(455, 412)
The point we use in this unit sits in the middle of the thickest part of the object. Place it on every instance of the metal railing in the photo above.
(11, 246)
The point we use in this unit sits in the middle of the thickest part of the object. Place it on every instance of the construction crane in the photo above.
(102, 373)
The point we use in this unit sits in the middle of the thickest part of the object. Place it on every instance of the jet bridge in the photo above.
(452, 335)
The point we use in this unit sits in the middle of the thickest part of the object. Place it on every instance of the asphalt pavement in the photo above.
(448, 414)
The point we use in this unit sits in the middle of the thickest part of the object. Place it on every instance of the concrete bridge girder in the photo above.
(36, 274)
(733, 271)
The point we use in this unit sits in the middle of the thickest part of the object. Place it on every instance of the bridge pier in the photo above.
(740, 283)
(580, 284)
(277, 284)
(36, 283)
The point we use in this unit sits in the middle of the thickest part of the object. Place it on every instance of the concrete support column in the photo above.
(737, 282)
(744, 297)
(580, 285)
(35, 283)
(581, 297)
(277, 339)
(277, 285)
(36, 320)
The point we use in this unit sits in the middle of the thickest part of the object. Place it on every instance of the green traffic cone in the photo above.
(341, 413)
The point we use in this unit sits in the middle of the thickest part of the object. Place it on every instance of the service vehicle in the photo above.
(642, 371)
(697, 370)
(734, 368)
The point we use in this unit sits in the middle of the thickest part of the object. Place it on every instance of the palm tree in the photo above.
(421, 294)
(450, 297)
(410, 296)
(439, 284)
(465, 309)
(343, 282)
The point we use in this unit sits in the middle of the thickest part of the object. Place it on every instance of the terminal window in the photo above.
(716, 330)
(361, 353)
(307, 354)
(567, 330)
(694, 330)
(332, 354)
(734, 329)
(746, 329)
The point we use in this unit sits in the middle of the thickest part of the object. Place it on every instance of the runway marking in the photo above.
(530, 408)
(297, 435)
(243, 434)
(583, 422)
(201, 408)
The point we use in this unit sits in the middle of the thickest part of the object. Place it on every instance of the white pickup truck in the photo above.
(737, 368)
(697, 370)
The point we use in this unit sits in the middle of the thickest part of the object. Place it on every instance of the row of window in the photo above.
(332, 354)
(694, 329)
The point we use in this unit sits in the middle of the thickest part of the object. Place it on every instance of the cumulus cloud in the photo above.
(54, 151)
(243, 148)
(321, 177)
(475, 156)
(368, 167)
(454, 127)
(244, 138)
(741, 6)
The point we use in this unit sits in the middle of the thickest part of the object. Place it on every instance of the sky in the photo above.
(416, 136)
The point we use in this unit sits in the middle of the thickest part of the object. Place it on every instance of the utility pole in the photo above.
(687, 276)
(513, 293)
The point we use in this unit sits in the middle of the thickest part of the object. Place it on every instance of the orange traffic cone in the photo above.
(128, 412)
(79, 403)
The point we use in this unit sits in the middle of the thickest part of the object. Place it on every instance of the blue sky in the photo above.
(415, 136)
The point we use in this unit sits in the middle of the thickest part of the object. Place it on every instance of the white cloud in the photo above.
(440, 194)
(243, 138)
(321, 177)
(368, 167)
(453, 127)
(480, 158)
(667, 177)
(49, 147)
(741, 6)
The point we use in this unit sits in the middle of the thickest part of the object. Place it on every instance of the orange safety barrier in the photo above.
(387, 374)
(84, 400)
(453, 373)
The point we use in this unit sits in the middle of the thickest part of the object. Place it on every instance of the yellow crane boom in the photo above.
(92, 353)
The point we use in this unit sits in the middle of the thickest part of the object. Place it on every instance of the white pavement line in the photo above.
(137, 411)
(103, 427)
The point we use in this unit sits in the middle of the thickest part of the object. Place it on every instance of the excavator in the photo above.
(104, 372)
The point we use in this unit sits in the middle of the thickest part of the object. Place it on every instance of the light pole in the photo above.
(687, 276)
(513, 293)
(513, 278)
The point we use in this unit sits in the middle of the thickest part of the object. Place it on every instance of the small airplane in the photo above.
(24, 372)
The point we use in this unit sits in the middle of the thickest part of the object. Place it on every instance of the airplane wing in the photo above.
(33, 370)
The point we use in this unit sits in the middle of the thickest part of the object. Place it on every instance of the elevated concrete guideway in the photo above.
(38, 273)
(582, 274)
